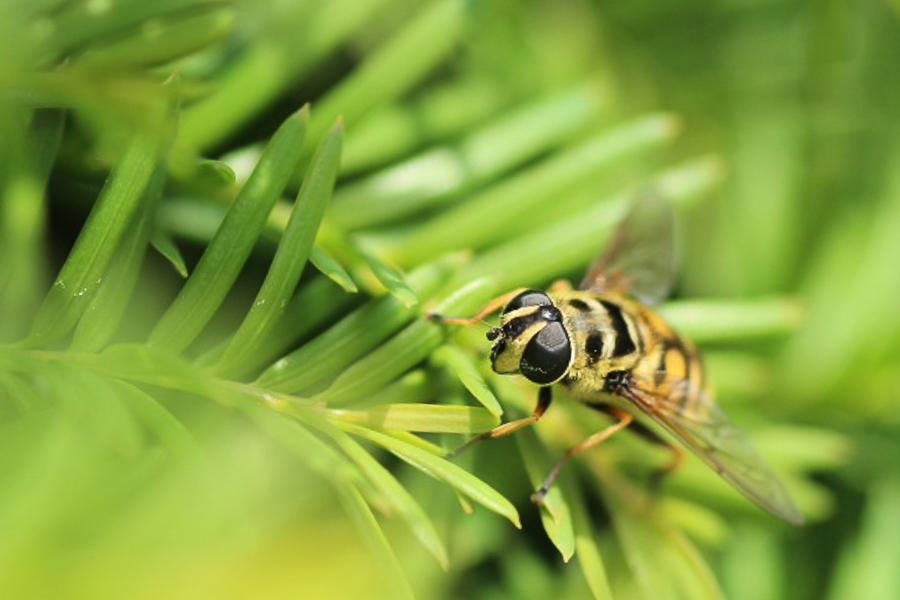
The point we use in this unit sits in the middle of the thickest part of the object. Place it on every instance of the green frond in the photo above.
(229, 248)
(291, 255)
(261, 406)
(83, 272)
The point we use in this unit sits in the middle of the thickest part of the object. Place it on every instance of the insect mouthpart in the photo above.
(496, 333)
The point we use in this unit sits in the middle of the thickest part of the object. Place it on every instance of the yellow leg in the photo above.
(544, 398)
(625, 419)
(494, 305)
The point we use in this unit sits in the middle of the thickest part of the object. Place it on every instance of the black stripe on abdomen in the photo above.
(674, 344)
(624, 343)
(659, 376)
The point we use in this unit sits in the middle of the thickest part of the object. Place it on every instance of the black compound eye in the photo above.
(547, 355)
(528, 298)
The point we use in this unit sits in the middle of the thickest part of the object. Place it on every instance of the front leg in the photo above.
(544, 398)
(492, 306)
(624, 419)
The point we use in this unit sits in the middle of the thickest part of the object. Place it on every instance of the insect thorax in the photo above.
(605, 332)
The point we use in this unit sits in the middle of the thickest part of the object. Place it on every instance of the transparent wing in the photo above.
(640, 258)
(703, 427)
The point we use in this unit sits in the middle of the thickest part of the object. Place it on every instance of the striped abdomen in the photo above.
(613, 333)
(669, 365)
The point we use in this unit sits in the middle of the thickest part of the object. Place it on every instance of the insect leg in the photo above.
(625, 419)
(544, 398)
(650, 435)
(492, 306)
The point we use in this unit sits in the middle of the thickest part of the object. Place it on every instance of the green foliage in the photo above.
(257, 420)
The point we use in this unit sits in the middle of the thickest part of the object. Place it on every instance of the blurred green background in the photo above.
(221, 224)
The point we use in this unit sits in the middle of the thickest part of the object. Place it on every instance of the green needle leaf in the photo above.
(461, 365)
(641, 546)
(23, 214)
(230, 247)
(332, 269)
(420, 417)
(443, 172)
(700, 522)
(167, 428)
(395, 67)
(163, 39)
(76, 25)
(316, 304)
(536, 258)
(215, 173)
(418, 442)
(587, 551)
(803, 448)
(555, 513)
(690, 567)
(99, 323)
(866, 566)
(355, 335)
(361, 515)
(255, 78)
(392, 279)
(439, 112)
(443, 470)
(392, 490)
(166, 246)
(406, 349)
(474, 222)
(413, 388)
(716, 320)
(307, 447)
(145, 364)
(190, 218)
(290, 258)
(87, 263)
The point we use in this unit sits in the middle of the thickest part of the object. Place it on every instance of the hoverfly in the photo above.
(609, 350)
